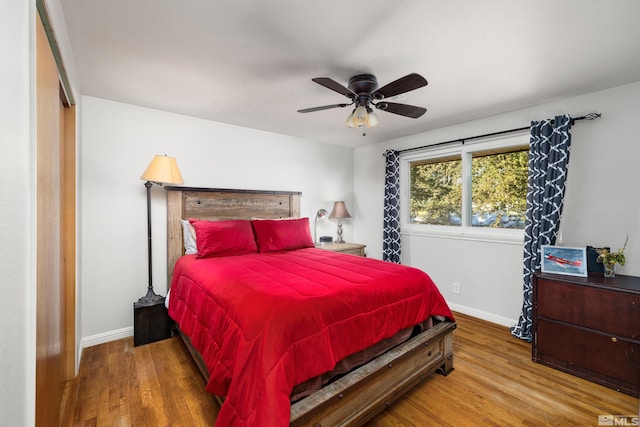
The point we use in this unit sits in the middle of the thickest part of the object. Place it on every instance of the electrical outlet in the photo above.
(456, 287)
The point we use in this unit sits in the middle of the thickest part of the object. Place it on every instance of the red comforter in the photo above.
(266, 322)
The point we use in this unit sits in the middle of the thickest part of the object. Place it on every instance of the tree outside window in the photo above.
(436, 192)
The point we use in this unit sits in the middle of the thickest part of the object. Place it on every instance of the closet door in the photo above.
(55, 237)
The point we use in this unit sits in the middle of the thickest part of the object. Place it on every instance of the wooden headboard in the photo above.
(217, 204)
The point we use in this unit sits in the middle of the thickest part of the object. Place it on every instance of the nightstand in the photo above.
(151, 323)
(347, 248)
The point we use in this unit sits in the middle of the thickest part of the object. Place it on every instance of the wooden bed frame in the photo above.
(356, 397)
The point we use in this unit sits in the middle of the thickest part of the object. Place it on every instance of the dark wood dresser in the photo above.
(589, 327)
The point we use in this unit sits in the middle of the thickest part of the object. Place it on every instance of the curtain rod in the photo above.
(590, 116)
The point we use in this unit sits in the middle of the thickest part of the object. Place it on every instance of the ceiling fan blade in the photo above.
(324, 107)
(401, 109)
(335, 86)
(402, 85)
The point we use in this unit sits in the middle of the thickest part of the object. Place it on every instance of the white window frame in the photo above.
(465, 151)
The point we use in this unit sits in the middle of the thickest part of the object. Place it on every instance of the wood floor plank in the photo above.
(494, 383)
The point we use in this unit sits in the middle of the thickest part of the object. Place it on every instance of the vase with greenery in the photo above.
(610, 259)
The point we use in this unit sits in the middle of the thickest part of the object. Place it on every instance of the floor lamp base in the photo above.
(151, 298)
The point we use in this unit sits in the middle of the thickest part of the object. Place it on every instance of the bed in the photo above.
(259, 370)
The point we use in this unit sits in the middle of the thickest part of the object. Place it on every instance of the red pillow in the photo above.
(224, 238)
(282, 234)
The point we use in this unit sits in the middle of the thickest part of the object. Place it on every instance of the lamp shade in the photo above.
(349, 121)
(360, 116)
(339, 211)
(372, 118)
(163, 170)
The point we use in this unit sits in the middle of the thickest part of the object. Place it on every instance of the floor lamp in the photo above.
(339, 212)
(161, 170)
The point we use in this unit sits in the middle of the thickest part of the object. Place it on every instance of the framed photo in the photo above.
(564, 260)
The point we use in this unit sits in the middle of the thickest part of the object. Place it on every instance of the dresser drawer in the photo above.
(353, 252)
(607, 359)
(614, 311)
(345, 248)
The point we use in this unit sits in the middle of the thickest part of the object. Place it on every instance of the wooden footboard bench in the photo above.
(359, 396)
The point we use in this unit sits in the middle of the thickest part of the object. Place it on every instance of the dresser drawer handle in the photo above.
(614, 339)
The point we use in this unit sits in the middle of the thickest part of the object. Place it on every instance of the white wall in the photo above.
(17, 286)
(602, 152)
(117, 143)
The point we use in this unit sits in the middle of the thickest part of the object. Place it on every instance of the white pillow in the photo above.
(189, 238)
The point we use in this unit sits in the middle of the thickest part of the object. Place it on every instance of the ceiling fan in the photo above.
(363, 91)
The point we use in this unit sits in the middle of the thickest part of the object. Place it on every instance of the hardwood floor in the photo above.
(494, 383)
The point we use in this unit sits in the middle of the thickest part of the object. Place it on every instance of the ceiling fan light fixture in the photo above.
(350, 122)
(372, 118)
(360, 116)
(363, 91)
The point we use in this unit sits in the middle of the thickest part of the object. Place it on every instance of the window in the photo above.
(436, 192)
(499, 189)
(471, 186)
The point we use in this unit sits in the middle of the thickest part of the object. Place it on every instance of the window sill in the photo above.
(512, 237)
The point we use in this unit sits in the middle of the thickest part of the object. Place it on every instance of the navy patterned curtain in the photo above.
(550, 143)
(391, 232)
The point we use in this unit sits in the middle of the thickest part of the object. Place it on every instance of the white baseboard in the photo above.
(489, 317)
(105, 337)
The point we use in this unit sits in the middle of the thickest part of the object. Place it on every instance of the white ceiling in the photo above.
(250, 62)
